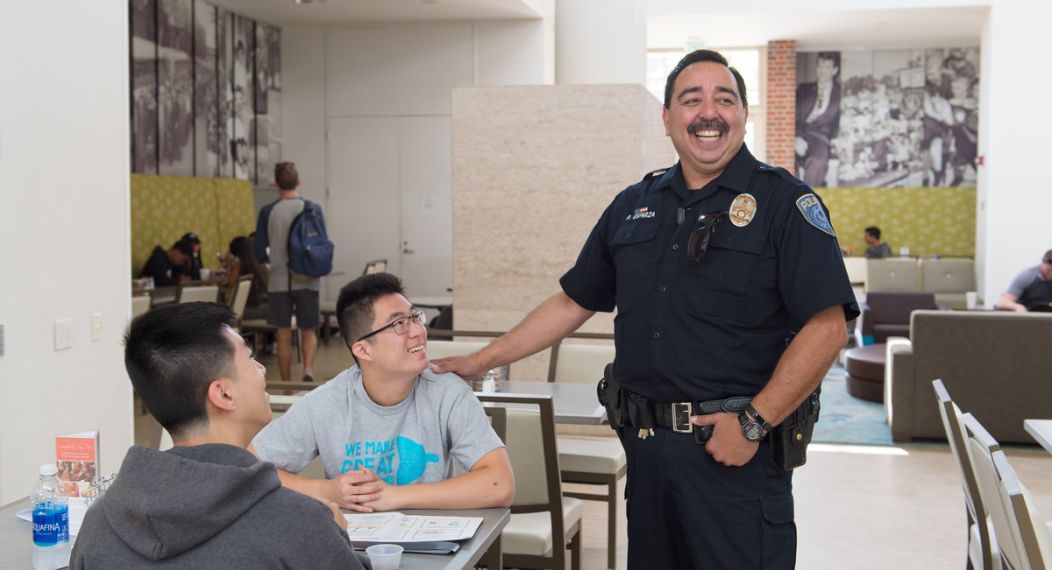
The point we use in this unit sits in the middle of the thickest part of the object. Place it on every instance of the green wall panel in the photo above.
(930, 221)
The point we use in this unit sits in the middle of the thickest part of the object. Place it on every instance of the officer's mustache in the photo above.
(708, 125)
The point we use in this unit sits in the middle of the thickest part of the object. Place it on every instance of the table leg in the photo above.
(493, 558)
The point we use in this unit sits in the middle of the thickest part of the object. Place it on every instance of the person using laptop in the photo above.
(207, 502)
(389, 430)
(1031, 290)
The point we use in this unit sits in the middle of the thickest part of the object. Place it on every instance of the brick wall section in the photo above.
(781, 102)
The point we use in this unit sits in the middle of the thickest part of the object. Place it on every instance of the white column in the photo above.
(600, 41)
(1013, 228)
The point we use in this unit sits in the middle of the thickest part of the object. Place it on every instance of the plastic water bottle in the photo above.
(50, 521)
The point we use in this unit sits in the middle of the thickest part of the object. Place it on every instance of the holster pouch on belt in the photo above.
(611, 396)
(790, 438)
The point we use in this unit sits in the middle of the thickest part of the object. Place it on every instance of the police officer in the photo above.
(732, 298)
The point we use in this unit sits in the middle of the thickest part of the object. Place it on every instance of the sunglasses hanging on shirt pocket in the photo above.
(698, 244)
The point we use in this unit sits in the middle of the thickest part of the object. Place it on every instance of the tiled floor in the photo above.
(856, 508)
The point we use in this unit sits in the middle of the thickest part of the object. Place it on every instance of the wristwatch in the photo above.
(754, 427)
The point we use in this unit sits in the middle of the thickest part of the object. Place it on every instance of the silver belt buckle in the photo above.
(681, 412)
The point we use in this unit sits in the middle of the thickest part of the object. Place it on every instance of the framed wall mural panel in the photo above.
(175, 87)
(143, 86)
(887, 118)
(205, 91)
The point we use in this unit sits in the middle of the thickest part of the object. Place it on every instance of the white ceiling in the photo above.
(819, 29)
(287, 12)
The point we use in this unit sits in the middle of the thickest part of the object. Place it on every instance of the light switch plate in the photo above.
(63, 334)
(96, 327)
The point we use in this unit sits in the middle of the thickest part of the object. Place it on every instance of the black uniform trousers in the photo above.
(685, 510)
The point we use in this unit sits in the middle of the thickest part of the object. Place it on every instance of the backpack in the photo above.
(310, 251)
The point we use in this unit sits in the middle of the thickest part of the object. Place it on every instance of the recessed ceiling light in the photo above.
(309, 1)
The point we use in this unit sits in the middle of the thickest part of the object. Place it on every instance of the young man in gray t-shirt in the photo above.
(389, 430)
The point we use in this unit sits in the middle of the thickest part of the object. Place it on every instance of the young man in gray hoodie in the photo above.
(207, 502)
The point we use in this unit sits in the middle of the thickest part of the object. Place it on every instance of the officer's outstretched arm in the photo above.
(803, 365)
(549, 322)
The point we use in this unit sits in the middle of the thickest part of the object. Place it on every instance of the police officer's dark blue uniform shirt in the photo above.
(688, 330)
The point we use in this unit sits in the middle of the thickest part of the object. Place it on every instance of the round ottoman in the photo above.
(865, 371)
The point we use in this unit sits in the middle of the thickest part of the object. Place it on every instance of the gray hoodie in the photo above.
(207, 506)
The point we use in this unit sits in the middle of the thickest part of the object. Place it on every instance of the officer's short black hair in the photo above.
(699, 56)
(173, 353)
(873, 231)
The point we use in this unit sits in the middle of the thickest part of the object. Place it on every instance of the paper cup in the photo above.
(971, 299)
(385, 556)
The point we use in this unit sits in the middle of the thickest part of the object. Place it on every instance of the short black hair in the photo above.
(185, 246)
(354, 308)
(697, 56)
(237, 246)
(873, 231)
(173, 353)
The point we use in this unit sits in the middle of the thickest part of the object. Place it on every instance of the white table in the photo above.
(572, 403)
(16, 536)
(1041, 430)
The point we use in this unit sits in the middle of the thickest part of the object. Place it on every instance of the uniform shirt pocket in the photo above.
(635, 258)
(735, 252)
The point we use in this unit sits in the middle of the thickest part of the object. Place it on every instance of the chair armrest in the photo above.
(899, 383)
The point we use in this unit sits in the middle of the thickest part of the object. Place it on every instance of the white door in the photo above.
(427, 217)
(363, 208)
(390, 197)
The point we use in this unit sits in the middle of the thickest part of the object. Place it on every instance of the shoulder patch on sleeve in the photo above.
(813, 212)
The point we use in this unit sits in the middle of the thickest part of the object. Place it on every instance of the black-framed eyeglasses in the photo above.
(698, 244)
(401, 324)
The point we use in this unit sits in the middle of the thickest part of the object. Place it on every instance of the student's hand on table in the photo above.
(387, 499)
(727, 444)
(468, 366)
(354, 488)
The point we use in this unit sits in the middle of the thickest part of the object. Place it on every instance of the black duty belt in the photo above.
(676, 415)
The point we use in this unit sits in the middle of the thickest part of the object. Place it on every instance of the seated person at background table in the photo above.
(389, 429)
(193, 268)
(207, 502)
(877, 249)
(241, 260)
(1031, 287)
(170, 267)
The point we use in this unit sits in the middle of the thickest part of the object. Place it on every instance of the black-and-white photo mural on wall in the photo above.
(175, 73)
(243, 142)
(886, 118)
(268, 102)
(205, 91)
(143, 86)
(206, 87)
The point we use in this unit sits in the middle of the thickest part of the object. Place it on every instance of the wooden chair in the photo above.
(141, 305)
(590, 460)
(982, 446)
(1034, 534)
(375, 266)
(195, 293)
(543, 522)
(982, 550)
(239, 299)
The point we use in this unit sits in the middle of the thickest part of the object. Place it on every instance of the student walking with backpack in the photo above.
(290, 234)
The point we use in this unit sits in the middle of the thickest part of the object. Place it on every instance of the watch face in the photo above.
(752, 431)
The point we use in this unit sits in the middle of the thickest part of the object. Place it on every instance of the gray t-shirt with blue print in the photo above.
(410, 442)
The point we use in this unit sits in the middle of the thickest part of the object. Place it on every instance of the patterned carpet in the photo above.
(846, 419)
